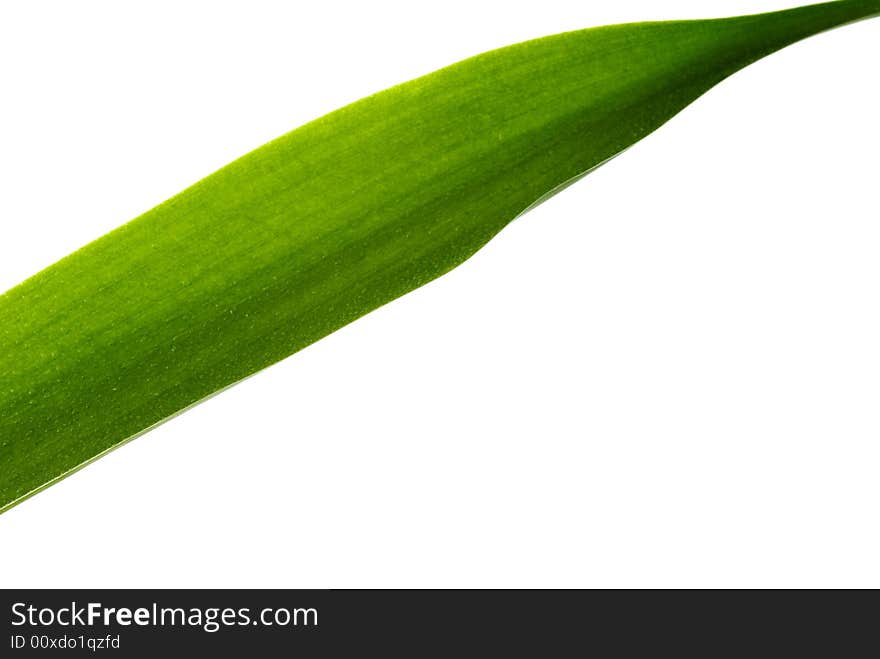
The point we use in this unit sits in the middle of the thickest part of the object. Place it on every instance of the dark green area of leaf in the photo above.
(332, 220)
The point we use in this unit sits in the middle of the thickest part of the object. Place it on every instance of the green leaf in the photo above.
(332, 220)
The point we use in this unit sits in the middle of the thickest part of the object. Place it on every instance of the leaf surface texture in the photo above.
(328, 222)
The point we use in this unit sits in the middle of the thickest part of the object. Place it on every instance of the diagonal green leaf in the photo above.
(332, 220)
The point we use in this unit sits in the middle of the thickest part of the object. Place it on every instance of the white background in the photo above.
(668, 375)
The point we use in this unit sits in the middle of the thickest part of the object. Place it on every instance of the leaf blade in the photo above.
(306, 234)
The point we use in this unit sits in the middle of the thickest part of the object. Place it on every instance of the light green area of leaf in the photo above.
(332, 220)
